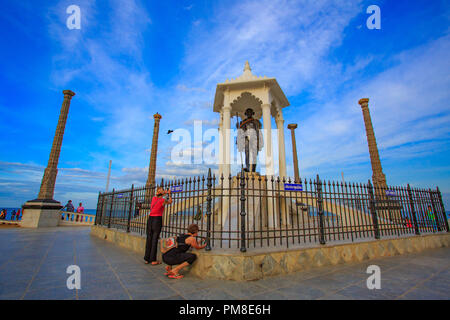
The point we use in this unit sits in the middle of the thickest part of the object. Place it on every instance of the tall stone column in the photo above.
(378, 177)
(227, 141)
(48, 181)
(281, 145)
(268, 136)
(292, 127)
(109, 176)
(273, 217)
(221, 155)
(44, 211)
(283, 208)
(385, 206)
(226, 167)
(154, 153)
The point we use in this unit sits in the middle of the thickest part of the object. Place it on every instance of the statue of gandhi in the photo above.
(250, 139)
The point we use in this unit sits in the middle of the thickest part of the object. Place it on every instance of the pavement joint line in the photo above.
(359, 281)
(153, 273)
(422, 282)
(301, 280)
(49, 287)
(38, 268)
(174, 289)
(110, 292)
(15, 255)
(331, 272)
(271, 290)
(237, 297)
(117, 276)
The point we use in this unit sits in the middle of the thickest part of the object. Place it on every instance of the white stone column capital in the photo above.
(226, 108)
(279, 115)
(265, 106)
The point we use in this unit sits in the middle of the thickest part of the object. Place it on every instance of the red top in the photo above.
(157, 207)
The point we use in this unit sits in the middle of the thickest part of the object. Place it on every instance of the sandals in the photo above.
(169, 271)
(175, 276)
(154, 263)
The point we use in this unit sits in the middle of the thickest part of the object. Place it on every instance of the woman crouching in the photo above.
(179, 255)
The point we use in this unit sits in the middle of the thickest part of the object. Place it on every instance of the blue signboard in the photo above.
(391, 193)
(119, 195)
(293, 187)
(176, 188)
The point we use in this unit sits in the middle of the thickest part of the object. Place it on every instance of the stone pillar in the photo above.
(151, 181)
(284, 203)
(109, 176)
(226, 110)
(267, 124)
(44, 211)
(292, 127)
(227, 140)
(221, 140)
(378, 177)
(49, 179)
(384, 204)
(154, 153)
(271, 223)
(281, 146)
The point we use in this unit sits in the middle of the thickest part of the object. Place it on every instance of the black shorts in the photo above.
(174, 258)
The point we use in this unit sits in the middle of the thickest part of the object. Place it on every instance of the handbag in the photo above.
(168, 243)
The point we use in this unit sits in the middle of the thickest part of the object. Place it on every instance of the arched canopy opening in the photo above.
(243, 102)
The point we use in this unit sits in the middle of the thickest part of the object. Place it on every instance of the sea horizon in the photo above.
(91, 212)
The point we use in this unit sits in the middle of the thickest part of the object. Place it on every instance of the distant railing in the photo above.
(252, 211)
(75, 218)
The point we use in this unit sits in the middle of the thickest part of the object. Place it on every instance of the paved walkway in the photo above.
(33, 266)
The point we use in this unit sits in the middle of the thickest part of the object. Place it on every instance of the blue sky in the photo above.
(134, 58)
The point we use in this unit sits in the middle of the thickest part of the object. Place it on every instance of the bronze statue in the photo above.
(250, 139)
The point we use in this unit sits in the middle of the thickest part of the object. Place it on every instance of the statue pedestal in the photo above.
(41, 214)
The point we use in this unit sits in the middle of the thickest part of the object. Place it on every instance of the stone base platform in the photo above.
(253, 265)
(41, 214)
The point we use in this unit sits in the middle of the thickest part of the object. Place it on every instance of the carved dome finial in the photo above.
(247, 66)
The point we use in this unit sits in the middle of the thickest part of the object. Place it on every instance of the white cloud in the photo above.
(106, 56)
(408, 105)
(285, 39)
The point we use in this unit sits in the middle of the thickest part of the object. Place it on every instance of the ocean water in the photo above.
(10, 210)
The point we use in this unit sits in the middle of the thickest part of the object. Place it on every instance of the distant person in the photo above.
(154, 225)
(3, 214)
(18, 214)
(69, 206)
(179, 255)
(13, 215)
(80, 208)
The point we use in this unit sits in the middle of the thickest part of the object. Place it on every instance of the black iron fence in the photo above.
(253, 211)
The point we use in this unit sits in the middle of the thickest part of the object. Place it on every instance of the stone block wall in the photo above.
(225, 265)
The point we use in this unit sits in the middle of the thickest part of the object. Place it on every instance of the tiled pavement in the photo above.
(33, 266)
